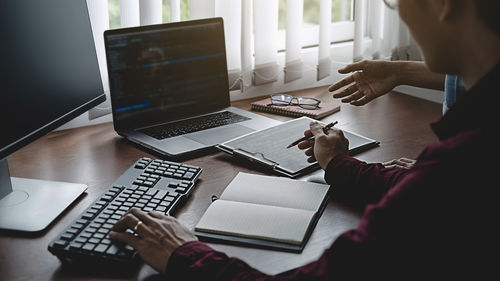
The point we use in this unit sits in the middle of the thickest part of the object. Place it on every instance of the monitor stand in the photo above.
(31, 205)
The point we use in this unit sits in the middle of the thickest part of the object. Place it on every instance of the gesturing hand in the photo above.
(158, 238)
(324, 147)
(370, 80)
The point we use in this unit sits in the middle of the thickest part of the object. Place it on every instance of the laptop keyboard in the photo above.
(193, 125)
(148, 185)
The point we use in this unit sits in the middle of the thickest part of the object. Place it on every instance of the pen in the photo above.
(310, 135)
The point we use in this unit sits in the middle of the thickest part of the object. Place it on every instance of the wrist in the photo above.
(404, 72)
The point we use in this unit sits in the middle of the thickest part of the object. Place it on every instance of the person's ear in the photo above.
(445, 11)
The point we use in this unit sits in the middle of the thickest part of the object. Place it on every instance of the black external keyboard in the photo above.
(148, 185)
(192, 125)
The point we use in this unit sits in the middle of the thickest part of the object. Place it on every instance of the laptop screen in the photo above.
(166, 72)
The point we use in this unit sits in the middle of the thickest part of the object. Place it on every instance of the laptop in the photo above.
(169, 87)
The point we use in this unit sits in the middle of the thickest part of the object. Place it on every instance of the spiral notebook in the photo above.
(325, 109)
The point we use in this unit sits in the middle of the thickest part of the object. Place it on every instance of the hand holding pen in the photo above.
(310, 135)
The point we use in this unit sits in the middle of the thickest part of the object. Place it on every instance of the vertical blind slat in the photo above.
(246, 44)
(175, 10)
(99, 20)
(200, 9)
(150, 11)
(229, 10)
(359, 29)
(293, 61)
(376, 28)
(129, 13)
(265, 32)
(325, 20)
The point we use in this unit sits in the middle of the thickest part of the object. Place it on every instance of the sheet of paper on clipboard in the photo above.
(268, 147)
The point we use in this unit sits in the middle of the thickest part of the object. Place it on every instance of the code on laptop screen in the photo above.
(166, 72)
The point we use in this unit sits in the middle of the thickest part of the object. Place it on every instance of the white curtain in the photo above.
(251, 32)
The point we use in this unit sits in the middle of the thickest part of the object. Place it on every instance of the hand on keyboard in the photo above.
(149, 185)
(157, 236)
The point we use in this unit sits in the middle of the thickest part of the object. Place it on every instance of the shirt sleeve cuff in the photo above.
(185, 255)
(338, 167)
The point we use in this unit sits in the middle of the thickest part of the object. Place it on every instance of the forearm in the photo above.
(359, 183)
(417, 74)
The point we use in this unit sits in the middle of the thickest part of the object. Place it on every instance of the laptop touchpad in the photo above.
(218, 135)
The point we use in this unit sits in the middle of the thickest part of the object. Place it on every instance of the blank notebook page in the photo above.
(256, 221)
(275, 191)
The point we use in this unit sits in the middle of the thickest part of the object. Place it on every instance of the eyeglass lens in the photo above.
(392, 4)
(284, 100)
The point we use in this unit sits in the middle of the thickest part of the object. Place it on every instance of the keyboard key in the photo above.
(88, 247)
(101, 248)
(60, 243)
(112, 250)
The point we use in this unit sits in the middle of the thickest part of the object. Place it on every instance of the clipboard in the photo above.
(267, 147)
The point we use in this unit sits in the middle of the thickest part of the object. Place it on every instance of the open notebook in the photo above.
(264, 211)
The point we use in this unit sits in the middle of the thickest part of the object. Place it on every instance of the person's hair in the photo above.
(488, 11)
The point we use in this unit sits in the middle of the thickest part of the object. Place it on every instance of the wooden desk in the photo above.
(96, 156)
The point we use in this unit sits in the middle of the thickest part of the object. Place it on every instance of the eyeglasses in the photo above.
(286, 100)
(392, 4)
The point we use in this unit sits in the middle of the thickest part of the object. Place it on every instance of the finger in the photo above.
(311, 159)
(148, 220)
(125, 237)
(347, 91)
(156, 214)
(130, 221)
(127, 221)
(316, 129)
(407, 160)
(403, 164)
(357, 95)
(391, 162)
(309, 152)
(304, 144)
(344, 82)
(353, 67)
(362, 101)
(306, 132)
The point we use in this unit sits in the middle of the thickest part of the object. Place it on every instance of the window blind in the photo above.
(229, 10)
(359, 29)
(325, 19)
(129, 13)
(251, 34)
(293, 60)
(150, 11)
(266, 68)
(200, 9)
(99, 19)
(175, 10)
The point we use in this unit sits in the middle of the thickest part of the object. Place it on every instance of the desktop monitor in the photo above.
(49, 75)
